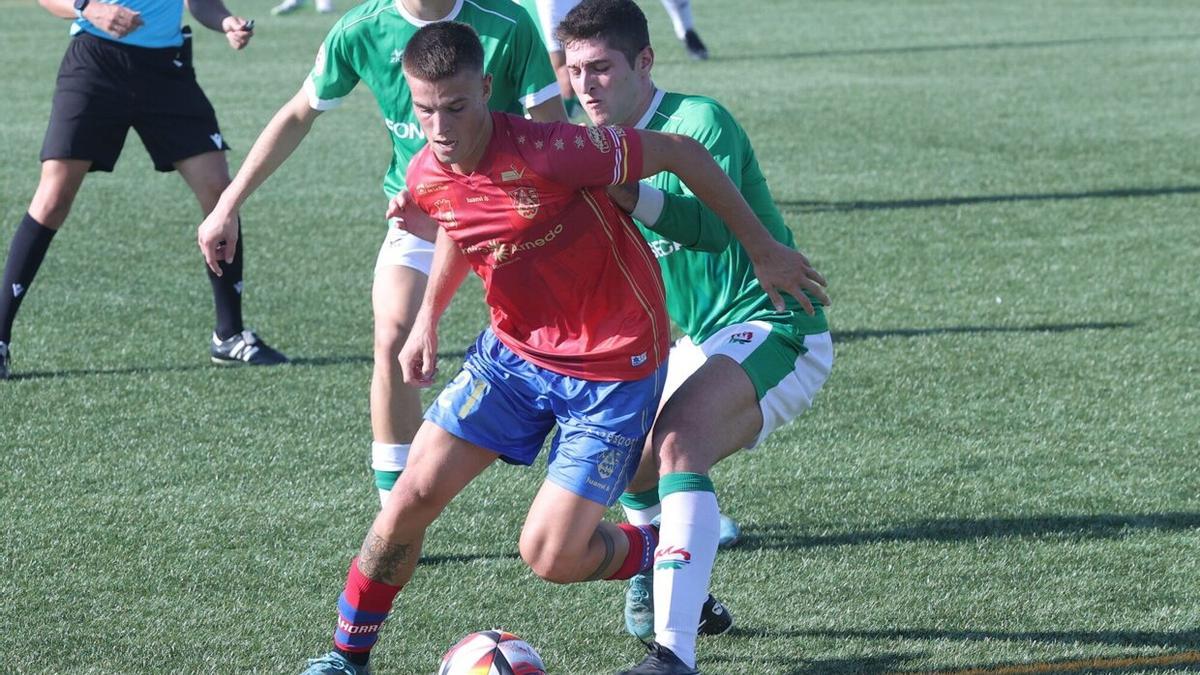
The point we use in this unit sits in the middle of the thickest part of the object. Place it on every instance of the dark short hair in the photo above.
(619, 24)
(442, 50)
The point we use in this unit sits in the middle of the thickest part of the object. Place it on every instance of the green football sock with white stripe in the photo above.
(683, 561)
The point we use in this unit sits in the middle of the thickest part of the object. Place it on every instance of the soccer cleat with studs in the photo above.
(715, 617)
(244, 348)
(695, 46)
(639, 605)
(334, 663)
(730, 532)
(660, 661)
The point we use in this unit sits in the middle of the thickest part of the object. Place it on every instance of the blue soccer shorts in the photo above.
(501, 402)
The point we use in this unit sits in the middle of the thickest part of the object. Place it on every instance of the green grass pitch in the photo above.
(1001, 475)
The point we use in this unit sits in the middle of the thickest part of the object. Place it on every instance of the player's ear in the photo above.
(487, 87)
(645, 60)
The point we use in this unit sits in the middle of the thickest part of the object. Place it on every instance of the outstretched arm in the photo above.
(218, 233)
(778, 267)
(215, 16)
(418, 358)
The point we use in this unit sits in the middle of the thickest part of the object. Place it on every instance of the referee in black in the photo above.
(129, 64)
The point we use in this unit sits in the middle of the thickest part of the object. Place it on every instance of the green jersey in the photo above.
(531, 7)
(709, 291)
(368, 43)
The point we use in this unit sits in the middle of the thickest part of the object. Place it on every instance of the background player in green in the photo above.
(366, 45)
(744, 367)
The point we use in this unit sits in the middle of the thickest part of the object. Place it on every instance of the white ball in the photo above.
(492, 652)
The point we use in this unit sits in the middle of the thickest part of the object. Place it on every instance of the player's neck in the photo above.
(468, 164)
(645, 99)
(428, 10)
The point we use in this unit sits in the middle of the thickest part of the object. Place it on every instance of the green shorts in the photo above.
(787, 369)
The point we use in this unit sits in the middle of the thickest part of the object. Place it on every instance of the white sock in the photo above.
(680, 12)
(641, 516)
(387, 457)
(683, 562)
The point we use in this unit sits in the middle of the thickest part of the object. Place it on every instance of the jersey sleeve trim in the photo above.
(650, 204)
(316, 102)
(541, 96)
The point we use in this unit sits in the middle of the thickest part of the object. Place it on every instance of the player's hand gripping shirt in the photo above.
(571, 284)
(368, 43)
(705, 291)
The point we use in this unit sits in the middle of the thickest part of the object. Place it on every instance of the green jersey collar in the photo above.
(654, 103)
(420, 22)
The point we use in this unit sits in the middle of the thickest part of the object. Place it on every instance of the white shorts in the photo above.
(401, 249)
(786, 376)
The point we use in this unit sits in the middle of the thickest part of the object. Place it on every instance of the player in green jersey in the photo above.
(744, 367)
(367, 45)
(546, 14)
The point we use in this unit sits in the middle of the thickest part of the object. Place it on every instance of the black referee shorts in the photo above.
(105, 87)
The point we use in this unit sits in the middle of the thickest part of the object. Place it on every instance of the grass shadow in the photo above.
(462, 558)
(964, 46)
(799, 665)
(311, 362)
(938, 202)
(1185, 646)
(1188, 641)
(779, 536)
(856, 335)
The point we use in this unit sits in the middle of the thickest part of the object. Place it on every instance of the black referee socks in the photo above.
(25, 256)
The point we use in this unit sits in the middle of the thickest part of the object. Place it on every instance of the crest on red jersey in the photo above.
(526, 201)
(599, 138)
(444, 213)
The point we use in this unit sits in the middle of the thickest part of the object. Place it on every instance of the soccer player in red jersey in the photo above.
(578, 332)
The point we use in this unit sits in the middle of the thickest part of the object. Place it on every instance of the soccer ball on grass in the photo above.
(492, 652)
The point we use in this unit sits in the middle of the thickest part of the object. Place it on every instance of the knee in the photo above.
(547, 561)
(415, 505)
(680, 450)
(390, 334)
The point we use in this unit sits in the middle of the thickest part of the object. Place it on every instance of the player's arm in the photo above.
(550, 110)
(115, 20)
(418, 358)
(682, 219)
(778, 267)
(218, 233)
(215, 16)
(676, 213)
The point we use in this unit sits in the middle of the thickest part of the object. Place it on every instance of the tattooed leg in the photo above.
(388, 561)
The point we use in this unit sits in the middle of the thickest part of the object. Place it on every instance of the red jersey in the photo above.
(571, 283)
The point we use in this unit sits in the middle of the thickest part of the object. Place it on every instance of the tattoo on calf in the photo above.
(380, 560)
(609, 547)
